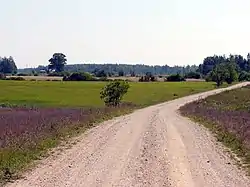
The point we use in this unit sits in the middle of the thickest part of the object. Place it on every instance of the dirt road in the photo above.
(154, 146)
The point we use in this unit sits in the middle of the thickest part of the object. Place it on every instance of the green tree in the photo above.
(113, 92)
(210, 62)
(79, 76)
(175, 78)
(137, 69)
(248, 61)
(121, 73)
(241, 64)
(193, 75)
(244, 76)
(132, 74)
(2, 76)
(218, 74)
(99, 73)
(57, 62)
(7, 65)
(231, 74)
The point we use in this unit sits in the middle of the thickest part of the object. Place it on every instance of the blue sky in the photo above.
(173, 32)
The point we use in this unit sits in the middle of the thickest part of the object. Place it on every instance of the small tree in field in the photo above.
(231, 73)
(57, 62)
(113, 92)
(223, 72)
(218, 75)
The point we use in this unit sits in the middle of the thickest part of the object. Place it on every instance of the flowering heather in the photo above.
(236, 122)
(26, 126)
(229, 114)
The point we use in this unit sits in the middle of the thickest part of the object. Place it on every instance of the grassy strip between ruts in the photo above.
(58, 94)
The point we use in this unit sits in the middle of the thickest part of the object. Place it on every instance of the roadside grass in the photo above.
(26, 138)
(227, 115)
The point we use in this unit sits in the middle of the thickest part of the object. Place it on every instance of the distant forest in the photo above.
(240, 64)
(209, 63)
(116, 69)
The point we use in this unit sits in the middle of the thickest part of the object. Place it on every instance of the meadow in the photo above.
(227, 115)
(87, 94)
(38, 115)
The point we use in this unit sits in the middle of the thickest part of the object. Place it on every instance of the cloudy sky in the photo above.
(173, 32)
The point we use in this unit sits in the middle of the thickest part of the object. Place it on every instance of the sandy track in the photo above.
(154, 146)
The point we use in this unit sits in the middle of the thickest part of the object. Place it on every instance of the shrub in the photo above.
(23, 74)
(99, 73)
(79, 77)
(153, 79)
(141, 79)
(193, 75)
(59, 74)
(121, 73)
(208, 78)
(113, 92)
(2, 76)
(147, 78)
(244, 76)
(175, 78)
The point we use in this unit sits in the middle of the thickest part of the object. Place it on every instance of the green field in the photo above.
(77, 94)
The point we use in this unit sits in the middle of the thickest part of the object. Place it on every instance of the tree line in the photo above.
(214, 68)
(58, 64)
(242, 64)
(225, 69)
(7, 65)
